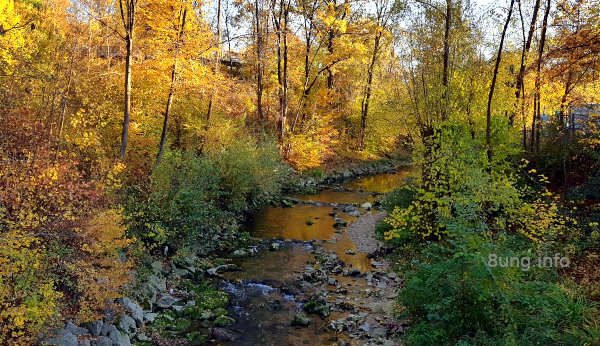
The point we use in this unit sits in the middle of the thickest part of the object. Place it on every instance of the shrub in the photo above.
(467, 195)
(194, 199)
(28, 300)
(100, 270)
(466, 210)
(457, 298)
(401, 198)
(250, 174)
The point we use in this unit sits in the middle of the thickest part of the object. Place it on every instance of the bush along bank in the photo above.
(451, 238)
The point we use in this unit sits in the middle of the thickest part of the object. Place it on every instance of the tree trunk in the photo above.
(330, 37)
(536, 124)
(564, 137)
(282, 69)
(446, 62)
(163, 135)
(366, 99)
(165, 127)
(488, 122)
(259, 65)
(519, 86)
(63, 110)
(216, 64)
(532, 139)
(285, 74)
(127, 101)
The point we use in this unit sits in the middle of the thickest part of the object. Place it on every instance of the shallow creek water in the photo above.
(265, 295)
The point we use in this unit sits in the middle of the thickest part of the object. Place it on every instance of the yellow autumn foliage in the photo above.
(28, 300)
(101, 270)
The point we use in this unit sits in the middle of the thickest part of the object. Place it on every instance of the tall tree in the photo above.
(280, 12)
(384, 11)
(488, 118)
(258, 41)
(519, 85)
(127, 9)
(536, 119)
(216, 63)
(180, 28)
(446, 60)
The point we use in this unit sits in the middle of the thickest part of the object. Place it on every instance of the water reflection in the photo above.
(380, 183)
(302, 222)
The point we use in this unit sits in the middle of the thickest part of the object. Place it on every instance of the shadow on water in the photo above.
(308, 222)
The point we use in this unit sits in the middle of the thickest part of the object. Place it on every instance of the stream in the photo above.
(314, 286)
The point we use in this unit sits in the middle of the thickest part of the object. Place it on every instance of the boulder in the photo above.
(117, 338)
(159, 283)
(95, 327)
(339, 223)
(222, 334)
(153, 285)
(107, 328)
(103, 341)
(75, 330)
(286, 203)
(349, 209)
(240, 253)
(378, 332)
(188, 263)
(180, 272)
(150, 316)
(157, 267)
(142, 337)
(134, 309)
(222, 268)
(84, 342)
(127, 324)
(352, 272)
(62, 337)
(366, 206)
(165, 301)
(354, 213)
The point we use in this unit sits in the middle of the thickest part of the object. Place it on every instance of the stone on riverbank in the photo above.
(222, 268)
(166, 301)
(134, 309)
(222, 334)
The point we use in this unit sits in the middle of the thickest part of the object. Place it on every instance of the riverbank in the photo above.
(193, 300)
